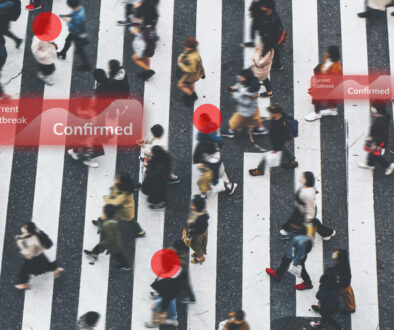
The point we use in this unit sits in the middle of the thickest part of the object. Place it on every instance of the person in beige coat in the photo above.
(121, 196)
(191, 70)
(262, 63)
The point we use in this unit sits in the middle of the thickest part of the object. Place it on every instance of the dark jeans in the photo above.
(79, 44)
(36, 266)
(286, 153)
(267, 85)
(284, 265)
(373, 159)
(46, 70)
(118, 256)
(187, 291)
(11, 35)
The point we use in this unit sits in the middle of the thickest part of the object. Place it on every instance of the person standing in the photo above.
(375, 8)
(278, 135)
(262, 62)
(77, 33)
(31, 245)
(236, 321)
(3, 59)
(9, 11)
(44, 53)
(191, 70)
(377, 141)
(88, 321)
(110, 239)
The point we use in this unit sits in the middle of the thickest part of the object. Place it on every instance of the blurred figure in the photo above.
(236, 321)
(88, 321)
(10, 10)
(118, 80)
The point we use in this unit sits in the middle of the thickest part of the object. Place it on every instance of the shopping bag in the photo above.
(187, 240)
(273, 159)
(295, 270)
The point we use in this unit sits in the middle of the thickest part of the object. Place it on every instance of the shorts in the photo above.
(237, 121)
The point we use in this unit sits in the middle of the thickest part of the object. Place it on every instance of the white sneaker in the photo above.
(313, 116)
(283, 232)
(46, 79)
(390, 169)
(327, 238)
(366, 166)
(73, 154)
(329, 112)
(171, 322)
(90, 163)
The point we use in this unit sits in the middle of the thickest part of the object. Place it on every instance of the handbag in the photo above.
(272, 159)
(187, 240)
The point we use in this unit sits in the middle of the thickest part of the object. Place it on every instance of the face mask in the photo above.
(24, 231)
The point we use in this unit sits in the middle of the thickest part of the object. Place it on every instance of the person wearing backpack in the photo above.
(144, 46)
(10, 10)
(281, 131)
(32, 244)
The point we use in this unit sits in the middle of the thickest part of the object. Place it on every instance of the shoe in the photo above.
(22, 286)
(313, 116)
(90, 255)
(31, 7)
(228, 134)
(149, 74)
(83, 67)
(151, 325)
(73, 154)
(316, 325)
(90, 163)
(390, 169)
(364, 14)
(124, 268)
(230, 189)
(366, 166)
(255, 172)
(204, 196)
(18, 43)
(57, 272)
(327, 238)
(154, 295)
(61, 55)
(138, 186)
(326, 113)
(141, 234)
(265, 94)
(124, 22)
(173, 180)
(188, 300)
(46, 79)
(272, 273)
(260, 131)
(315, 308)
(277, 68)
(196, 261)
(249, 44)
(171, 322)
(95, 222)
(195, 96)
(283, 232)
(303, 286)
(158, 206)
(290, 164)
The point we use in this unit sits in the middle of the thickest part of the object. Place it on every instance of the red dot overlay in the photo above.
(165, 263)
(47, 26)
(207, 118)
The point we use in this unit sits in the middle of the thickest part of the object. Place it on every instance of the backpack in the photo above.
(291, 125)
(150, 39)
(44, 239)
(15, 10)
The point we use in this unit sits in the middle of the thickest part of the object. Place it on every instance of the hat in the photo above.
(190, 42)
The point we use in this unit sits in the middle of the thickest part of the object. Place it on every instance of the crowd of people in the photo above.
(267, 36)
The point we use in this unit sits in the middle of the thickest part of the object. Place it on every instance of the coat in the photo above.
(110, 237)
(277, 133)
(124, 202)
(262, 65)
(190, 64)
(44, 52)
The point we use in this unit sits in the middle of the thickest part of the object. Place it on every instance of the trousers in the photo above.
(284, 265)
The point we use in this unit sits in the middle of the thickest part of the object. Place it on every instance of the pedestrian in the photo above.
(343, 278)
(129, 13)
(110, 239)
(296, 254)
(236, 321)
(328, 304)
(118, 80)
(32, 244)
(279, 138)
(195, 233)
(157, 171)
(146, 12)
(88, 321)
(10, 10)
(190, 70)
(247, 114)
(330, 68)
(3, 58)
(262, 62)
(375, 8)
(34, 5)
(76, 22)
(122, 198)
(305, 209)
(44, 53)
(257, 16)
(377, 140)
(144, 46)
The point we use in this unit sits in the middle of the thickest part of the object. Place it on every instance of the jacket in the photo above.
(119, 84)
(29, 246)
(191, 65)
(197, 223)
(330, 68)
(277, 133)
(380, 127)
(269, 26)
(262, 65)
(77, 24)
(124, 202)
(110, 237)
(298, 248)
(246, 98)
(44, 51)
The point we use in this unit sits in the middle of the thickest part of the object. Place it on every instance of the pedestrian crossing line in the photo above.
(156, 110)
(361, 221)
(94, 278)
(307, 145)
(256, 298)
(14, 64)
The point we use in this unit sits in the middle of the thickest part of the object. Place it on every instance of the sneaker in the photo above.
(61, 55)
(230, 188)
(31, 7)
(364, 14)
(138, 186)
(327, 238)
(171, 322)
(272, 273)
(73, 154)
(141, 234)
(265, 94)
(195, 96)
(303, 286)
(154, 295)
(158, 206)
(173, 180)
(255, 172)
(249, 44)
(90, 163)
(25, 286)
(57, 272)
(366, 166)
(316, 325)
(145, 75)
(315, 308)
(204, 196)
(46, 79)
(313, 116)
(188, 300)
(290, 164)
(390, 169)
(18, 43)
(329, 112)
(283, 232)
(124, 22)
(228, 134)
(260, 131)
(91, 256)
(95, 222)
(150, 324)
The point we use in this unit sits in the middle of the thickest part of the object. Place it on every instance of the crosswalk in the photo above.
(56, 304)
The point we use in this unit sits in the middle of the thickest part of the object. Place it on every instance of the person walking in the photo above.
(10, 10)
(375, 8)
(236, 321)
(32, 244)
(44, 53)
(247, 114)
(110, 239)
(118, 80)
(88, 321)
(3, 58)
(256, 14)
(262, 62)
(190, 69)
(76, 22)
(122, 198)
(330, 68)
(377, 141)
(305, 209)
(195, 233)
(279, 137)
